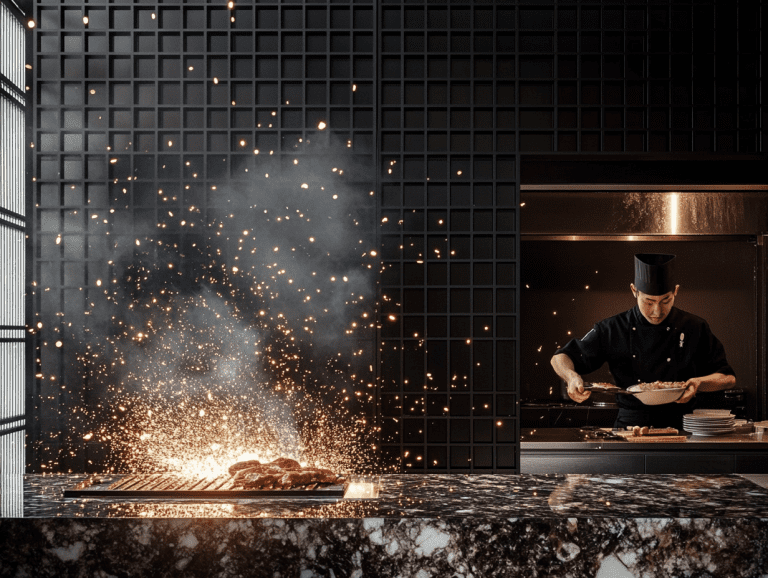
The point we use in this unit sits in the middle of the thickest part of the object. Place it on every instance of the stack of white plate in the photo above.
(709, 422)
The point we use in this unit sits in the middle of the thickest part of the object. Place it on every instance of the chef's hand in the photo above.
(576, 389)
(691, 387)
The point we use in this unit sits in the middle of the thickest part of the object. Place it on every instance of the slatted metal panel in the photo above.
(12, 473)
(12, 379)
(12, 103)
(12, 161)
(12, 258)
(12, 46)
(12, 245)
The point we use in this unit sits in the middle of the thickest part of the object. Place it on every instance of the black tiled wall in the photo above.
(448, 99)
(449, 222)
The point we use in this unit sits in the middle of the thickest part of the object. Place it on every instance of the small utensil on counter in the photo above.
(607, 434)
(593, 432)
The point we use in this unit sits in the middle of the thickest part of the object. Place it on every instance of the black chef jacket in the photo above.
(679, 348)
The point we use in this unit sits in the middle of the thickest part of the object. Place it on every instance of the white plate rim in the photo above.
(694, 424)
(710, 425)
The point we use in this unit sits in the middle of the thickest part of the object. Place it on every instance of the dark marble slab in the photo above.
(444, 496)
(435, 525)
(385, 547)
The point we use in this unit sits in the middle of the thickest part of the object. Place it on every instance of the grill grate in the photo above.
(176, 486)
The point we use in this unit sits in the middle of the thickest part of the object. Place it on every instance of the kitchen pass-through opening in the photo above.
(577, 248)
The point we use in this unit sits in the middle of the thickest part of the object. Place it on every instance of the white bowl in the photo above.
(657, 396)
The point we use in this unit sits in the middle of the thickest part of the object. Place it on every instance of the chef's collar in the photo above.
(640, 319)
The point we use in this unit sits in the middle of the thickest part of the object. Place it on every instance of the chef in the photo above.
(653, 341)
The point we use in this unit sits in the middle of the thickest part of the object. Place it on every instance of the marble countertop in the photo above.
(441, 496)
(425, 526)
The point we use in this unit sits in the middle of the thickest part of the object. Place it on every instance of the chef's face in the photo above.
(654, 308)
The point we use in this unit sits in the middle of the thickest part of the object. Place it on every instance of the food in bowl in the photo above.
(658, 392)
(657, 385)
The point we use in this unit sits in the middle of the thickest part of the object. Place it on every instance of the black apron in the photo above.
(656, 351)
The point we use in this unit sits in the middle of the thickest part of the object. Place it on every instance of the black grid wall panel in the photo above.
(176, 97)
(449, 223)
(633, 77)
(145, 110)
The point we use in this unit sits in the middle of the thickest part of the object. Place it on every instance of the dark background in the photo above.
(451, 97)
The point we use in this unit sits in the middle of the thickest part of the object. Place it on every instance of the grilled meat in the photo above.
(234, 468)
(282, 473)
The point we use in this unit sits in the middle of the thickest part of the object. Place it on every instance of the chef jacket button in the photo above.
(669, 359)
(633, 355)
(634, 329)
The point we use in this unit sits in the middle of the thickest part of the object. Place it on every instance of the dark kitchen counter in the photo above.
(576, 438)
(560, 414)
(573, 450)
(573, 525)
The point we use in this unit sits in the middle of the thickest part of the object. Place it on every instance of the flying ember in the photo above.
(206, 350)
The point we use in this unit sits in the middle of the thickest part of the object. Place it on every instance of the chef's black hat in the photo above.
(654, 273)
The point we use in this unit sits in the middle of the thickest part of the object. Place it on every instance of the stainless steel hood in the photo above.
(637, 211)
